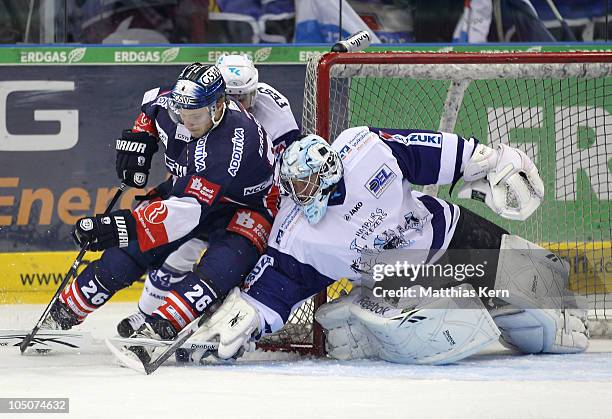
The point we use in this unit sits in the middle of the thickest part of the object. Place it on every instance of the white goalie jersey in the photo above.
(373, 208)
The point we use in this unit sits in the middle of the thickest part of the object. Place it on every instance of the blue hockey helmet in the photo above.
(310, 170)
(198, 86)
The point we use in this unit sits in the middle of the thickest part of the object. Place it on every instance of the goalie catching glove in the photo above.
(235, 326)
(135, 152)
(505, 179)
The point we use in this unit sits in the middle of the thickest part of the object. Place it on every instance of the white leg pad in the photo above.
(538, 318)
(536, 331)
(419, 331)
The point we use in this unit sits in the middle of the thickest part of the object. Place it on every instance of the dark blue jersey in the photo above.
(229, 168)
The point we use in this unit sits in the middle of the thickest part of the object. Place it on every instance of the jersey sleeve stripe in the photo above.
(468, 150)
(459, 159)
(448, 158)
(438, 221)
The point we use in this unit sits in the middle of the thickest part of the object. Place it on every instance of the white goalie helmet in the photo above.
(309, 172)
(241, 77)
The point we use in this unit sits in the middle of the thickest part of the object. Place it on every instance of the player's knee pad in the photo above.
(157, 285)
(536, 331)
(419, 330)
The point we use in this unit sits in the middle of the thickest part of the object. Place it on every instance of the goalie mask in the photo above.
(195, 96)
(241, 78)
(310, 170)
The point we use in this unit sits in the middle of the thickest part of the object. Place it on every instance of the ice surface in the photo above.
(493, 384)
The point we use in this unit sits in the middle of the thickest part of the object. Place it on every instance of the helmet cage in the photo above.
(311, 184)
(310, 170)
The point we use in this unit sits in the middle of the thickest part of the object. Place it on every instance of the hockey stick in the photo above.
(72, 271)
(130, 360)
(45, 341)
(127, 357)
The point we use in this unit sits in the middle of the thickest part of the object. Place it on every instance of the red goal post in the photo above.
(555, 106)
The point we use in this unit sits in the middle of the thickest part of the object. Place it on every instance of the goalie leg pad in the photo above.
(433, 331)
(534, 277)
(346, 338)
(542, 331)
(234, 325)
(543, 315)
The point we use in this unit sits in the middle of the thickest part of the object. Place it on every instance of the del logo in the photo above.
(203, 190)
(344, 151)
(380, 181)
(421, 138)
(156, 213)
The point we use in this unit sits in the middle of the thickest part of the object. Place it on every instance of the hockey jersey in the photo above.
(230, 167)
(273, 111)
(373, 208)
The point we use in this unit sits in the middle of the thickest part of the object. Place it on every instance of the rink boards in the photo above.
(33, 277)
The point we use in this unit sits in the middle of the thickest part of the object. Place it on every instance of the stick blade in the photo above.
(126, 357)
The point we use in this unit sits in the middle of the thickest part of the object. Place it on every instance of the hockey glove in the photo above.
(505, 179)
(135, 152)
(105, 231)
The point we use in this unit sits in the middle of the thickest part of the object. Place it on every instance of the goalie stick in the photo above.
(71, 272)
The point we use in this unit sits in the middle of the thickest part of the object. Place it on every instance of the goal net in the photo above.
(557, 107)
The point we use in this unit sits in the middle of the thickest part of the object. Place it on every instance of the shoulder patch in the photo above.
(428, 139)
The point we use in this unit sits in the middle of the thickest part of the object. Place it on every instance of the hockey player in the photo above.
(220, 157)
(349, 198)
(272, 110)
